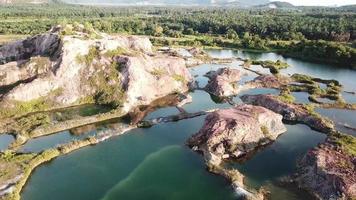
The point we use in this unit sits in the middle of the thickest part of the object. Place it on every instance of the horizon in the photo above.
(319, 3)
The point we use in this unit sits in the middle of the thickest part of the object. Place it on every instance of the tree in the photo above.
(231, 34)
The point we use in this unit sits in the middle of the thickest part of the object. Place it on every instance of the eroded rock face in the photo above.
(223, 82)
(39, 45)
(328, 173)
(296, 113)
(67, 69)
(234, 132)
(148, 78)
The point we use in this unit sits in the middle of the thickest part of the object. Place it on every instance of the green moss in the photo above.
(26, 124)
(286, 96)
(116, 52)
(89, 58)
(22, 107)
(302, 78)
(274, 67)
(265, 131)
(158, 72)
(107, 86)
(346, 142)
(179, 78)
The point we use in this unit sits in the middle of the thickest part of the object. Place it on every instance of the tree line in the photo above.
(235, 23)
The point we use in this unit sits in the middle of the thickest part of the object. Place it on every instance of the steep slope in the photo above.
(58, 69)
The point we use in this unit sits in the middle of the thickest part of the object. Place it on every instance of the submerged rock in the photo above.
(328, 172)
(295, 113)
(234, 132)
(223, 82)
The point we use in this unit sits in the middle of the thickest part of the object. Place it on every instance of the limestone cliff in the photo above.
(63, 68)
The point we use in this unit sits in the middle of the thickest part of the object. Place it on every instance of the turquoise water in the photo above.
(340, 117)
(301, 97)
(155, 163)
(50, 141)
(351, 98)
(121, 166)
(5, 140)
(326, 71)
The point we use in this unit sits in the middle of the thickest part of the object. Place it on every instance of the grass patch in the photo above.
(19, 108)
(158, 72)
(89, 58)
(116, 52)
(179, 78)
(274, 67)
(346, 142)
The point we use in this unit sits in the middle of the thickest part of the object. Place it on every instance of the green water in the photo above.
(155, 163)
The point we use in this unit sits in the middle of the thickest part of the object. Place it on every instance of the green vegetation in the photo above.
(179, 78)
(9, 38)
(274, 67)
(286, 96)
(89, 58)
(332, 89)
(346, 142)
(265, 131)
(116, 52)
(319, 34)
(40, 104)
(158, 72)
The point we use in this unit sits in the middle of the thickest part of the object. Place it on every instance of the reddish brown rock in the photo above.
(236, 131)
(223, 82)
(328, 173)
(268, 81)
(295, 113)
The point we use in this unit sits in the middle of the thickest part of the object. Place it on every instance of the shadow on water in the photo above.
(167, 167)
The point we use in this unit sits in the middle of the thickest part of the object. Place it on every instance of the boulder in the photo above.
(291, 112)
(328, 172)
(234, 132)
(267, 81)
(223, 82)
(146, 78)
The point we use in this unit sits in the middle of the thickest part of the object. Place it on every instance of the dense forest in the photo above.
(304, 31)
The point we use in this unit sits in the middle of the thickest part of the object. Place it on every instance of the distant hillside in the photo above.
(21, 1)
(350, 8)
(276, 4)
(243, 3)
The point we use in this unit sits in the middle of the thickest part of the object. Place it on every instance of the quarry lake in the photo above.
(155, 163)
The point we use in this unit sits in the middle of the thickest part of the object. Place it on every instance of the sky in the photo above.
(320, 2)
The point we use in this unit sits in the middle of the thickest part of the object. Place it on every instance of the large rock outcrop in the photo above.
(291, 112)
(234, 132)
(59, 70)
(328, 172)
(268, 81)
(223, 82)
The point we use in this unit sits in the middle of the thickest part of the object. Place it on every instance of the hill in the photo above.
(276, 4)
